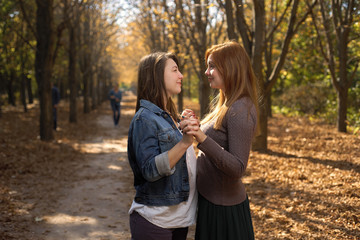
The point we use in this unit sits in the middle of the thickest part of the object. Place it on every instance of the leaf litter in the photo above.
(306, 186)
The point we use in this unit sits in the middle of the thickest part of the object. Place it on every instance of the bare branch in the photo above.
(270, 34)
(310, 8)
(26, 18)
(331, 62)
(318, 34)
(351, 79)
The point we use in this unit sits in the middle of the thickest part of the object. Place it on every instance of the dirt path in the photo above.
(95, 205)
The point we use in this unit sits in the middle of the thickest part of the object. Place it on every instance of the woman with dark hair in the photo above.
(225, 140)
(163, 160)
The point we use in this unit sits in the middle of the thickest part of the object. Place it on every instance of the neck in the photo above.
(165, 103)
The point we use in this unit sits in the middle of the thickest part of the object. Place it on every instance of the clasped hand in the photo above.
(190, 125)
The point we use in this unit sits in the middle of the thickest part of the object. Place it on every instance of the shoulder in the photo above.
(242, 108)
(146, 116)
(241, 105)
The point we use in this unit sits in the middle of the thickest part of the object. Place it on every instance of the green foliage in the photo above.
(353, 113)
(285, 111)
(309, 99)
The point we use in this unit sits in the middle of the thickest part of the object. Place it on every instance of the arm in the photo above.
(111, 95)
(153, 163)
(179, 149)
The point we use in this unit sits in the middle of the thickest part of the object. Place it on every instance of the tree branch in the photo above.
(278, 22)
(26, 18)
(331, 62)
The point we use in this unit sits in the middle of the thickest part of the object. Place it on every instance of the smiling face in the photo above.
(214, 78)
(172, 78)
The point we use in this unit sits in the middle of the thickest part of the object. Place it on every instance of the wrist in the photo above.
(201, 138)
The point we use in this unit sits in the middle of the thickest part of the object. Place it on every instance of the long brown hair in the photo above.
(151, 85)
(234, 66)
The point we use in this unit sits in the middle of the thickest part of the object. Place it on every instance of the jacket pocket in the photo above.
(167, 139)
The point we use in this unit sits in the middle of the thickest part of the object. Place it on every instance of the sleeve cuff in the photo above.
(163, 165)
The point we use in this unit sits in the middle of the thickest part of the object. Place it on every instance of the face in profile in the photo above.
(213, 75)
(172, 78)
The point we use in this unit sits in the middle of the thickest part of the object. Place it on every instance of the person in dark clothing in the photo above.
(55, 95)
(115, 97)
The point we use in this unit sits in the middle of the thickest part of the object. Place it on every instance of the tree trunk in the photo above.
(99, 87)
(86, 55)
(1, 89)
(29, 90)
(257, 57)
(204, 89)
(86, 81)
(23, 91)
(72, 74)
(230, 20)
(260, 143)
(342, 26)
(93, 91)
(44, 65)
(342, 109)
(344, 83)
(268, 106)
(23, 82)
(10, 88)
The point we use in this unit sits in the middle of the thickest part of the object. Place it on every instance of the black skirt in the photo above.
(216, 222)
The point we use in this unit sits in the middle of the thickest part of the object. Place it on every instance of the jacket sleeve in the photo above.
(153, 163)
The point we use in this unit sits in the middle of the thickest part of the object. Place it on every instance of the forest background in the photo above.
(305, 55)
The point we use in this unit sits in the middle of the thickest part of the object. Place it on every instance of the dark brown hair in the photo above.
(151, 85)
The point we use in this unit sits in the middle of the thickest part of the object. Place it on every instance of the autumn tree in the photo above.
(45, 37)
(71, 15)
(335, 36)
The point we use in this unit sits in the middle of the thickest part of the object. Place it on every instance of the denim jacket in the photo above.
(152, 134)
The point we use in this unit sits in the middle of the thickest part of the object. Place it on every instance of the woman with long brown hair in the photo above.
(224, 145)
(162, 159)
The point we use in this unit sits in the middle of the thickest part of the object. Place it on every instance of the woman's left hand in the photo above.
(191, 126)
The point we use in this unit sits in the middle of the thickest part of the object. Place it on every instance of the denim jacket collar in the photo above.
(152, 107)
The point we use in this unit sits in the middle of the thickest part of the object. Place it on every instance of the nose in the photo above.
(180, 75)
(207, 72)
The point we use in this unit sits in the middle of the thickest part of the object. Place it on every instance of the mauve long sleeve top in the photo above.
(224, 155)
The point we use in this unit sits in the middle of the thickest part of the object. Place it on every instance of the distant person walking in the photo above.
(115, 97)
(55, 95)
